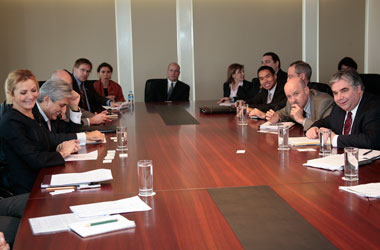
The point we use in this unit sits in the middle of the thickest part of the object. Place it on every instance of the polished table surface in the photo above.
(189, 159)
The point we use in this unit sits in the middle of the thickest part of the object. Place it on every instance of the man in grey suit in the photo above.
(304, 106)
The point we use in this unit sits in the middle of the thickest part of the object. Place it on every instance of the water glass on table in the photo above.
(325, 141)
(283, 137)
(351, 164)
(145, 177)
(121, 134)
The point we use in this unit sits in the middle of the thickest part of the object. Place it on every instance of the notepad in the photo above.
(271, 127)
(83, 157)
(303, 141)
(101, 225)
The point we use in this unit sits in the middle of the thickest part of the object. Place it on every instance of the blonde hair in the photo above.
(14, 77)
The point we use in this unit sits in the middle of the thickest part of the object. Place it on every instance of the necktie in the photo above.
(170, 91)
(269, 100)
(347, 124)
(83, 97)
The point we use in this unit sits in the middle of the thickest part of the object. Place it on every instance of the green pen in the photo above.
(101, 222)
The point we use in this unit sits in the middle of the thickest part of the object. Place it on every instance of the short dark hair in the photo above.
(275, 58)
(81, 61)
(264, 68)
(302, 67)
(104, 65)
(348, 61)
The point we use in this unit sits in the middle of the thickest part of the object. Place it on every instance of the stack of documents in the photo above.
(302, 141)
(76, 179)
(83, 157)
(371, 190)
(274, 127)
(85, 223)
(101, 225)
(123, 105)
(336, 162)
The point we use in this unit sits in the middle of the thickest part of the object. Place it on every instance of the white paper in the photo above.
(122, 106)
(107, 161)
(63, 191)
(127, 205)
(123, 155)
(269, 126)
(303, 141)
(306, 149)
(336, 162)
(83, 157)
(84, 228)
(97, 175)
(227, 104)
(93, 142)
(240, 151)
(53, 223)
(371, 190)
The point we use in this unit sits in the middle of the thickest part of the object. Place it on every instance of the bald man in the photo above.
(88, 118)
(304, 105)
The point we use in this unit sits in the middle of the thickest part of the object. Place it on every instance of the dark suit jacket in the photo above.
(96, 101)
(365, 130)
(245, 92)
(28, 147)
(282, 77)
(156, 90)
(260, 100)
(66, 130)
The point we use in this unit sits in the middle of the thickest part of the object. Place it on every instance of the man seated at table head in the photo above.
(88, 118)
(53, 98)
(303, 70)
(272, 95)
(304, 105)
(355, 119)
(169, 89)
(89, 98)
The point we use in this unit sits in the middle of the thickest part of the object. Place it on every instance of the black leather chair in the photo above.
(321, 87)
(371, 83)
(4, 191)
(148, 89)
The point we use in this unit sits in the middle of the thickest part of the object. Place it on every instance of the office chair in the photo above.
(371, 83)
(321, 87)
(149, 90)
(4, 190)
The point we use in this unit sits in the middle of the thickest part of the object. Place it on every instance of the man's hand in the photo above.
(66, 148)
(94, 136)
(297, 113)
(312, 133)
(224, 99)
(3, 244)
(257, 112)
(272, 116)
(74, 101)
(114, 104)
(100, 118)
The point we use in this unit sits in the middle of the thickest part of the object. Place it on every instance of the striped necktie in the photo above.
(347, 124)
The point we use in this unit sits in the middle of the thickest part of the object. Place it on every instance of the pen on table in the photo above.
(59, 188)
(366, 153)
(101, 222)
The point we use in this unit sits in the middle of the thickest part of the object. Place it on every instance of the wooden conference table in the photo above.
(189, 159)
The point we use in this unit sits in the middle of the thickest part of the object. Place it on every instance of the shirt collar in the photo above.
(273, 89)
(42, 113)
(307, 108)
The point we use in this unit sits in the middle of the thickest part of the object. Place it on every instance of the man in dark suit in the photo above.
(272, 94)
(303, 70)
(170, 89)
(271, 59)
(89, 98)
(53, 98)
(355, 120)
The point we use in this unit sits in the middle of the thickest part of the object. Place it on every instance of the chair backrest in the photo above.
(4, 192)
(3, 108)
(148, 90)
(371, 83)
(321, 87)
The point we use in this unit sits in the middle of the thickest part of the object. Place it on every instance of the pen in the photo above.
(101, 222)
(59, 188)
(366, 153)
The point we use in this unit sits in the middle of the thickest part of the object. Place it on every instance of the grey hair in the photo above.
(302, 67)
(349, 75)
(55, 89)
